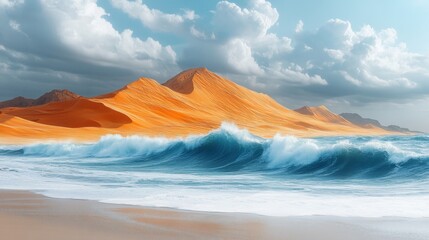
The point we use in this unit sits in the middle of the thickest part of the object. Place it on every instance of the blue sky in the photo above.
(407, 17)
(370, 57)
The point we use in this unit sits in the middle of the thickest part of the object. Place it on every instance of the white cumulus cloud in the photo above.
(155, 19)
(245, 45)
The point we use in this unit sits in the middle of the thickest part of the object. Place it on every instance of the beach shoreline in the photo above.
(27, 215)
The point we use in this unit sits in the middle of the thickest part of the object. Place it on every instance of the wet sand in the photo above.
(26, 215)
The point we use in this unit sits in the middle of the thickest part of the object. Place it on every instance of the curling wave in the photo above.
(230, 149)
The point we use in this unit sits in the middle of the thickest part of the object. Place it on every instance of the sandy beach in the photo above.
(26, 215)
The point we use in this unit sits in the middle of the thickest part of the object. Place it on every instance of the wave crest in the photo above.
(232, 149)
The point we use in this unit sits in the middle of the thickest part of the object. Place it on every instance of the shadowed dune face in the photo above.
(183, 82)
(73, 114)
(4, 117)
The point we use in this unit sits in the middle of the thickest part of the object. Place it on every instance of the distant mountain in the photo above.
(368, 123)
(52, 96)
(396, 128)
(17, 102)
(360, 121)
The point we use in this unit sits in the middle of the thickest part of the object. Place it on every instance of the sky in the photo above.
(368, 57)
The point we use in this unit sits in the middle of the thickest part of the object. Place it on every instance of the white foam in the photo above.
(290, 150)
(264, 202)
(107, 146)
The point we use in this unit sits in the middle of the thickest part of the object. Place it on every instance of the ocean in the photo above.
(231, 170)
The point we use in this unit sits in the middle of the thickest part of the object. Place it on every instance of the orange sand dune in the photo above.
(193, 102)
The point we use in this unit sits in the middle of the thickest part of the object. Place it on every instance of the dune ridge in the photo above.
(193, 102)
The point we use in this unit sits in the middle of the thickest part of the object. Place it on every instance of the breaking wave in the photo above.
(230, 149)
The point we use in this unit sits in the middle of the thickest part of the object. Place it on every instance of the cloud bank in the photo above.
(47, 44)
(334, 61)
